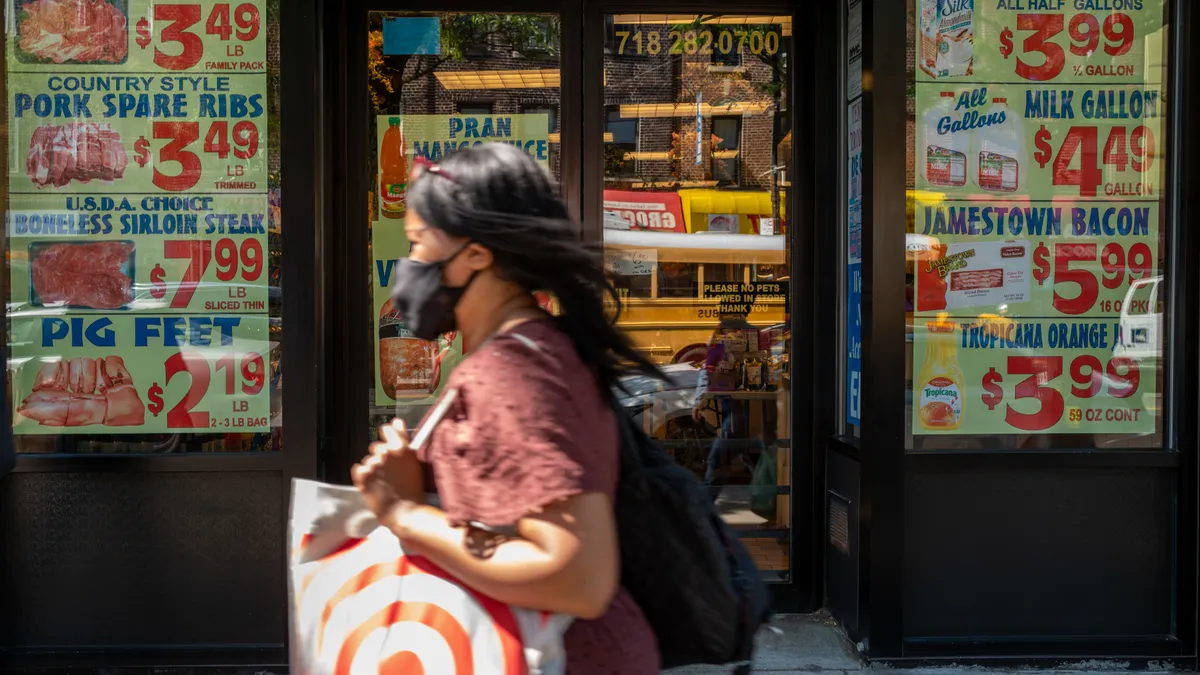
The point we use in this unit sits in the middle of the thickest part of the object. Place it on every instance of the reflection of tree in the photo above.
(528, 35)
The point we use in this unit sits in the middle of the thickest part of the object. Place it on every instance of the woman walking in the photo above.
(526, 459)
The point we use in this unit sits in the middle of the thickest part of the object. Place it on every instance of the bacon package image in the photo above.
(360, 605)
(984, 274)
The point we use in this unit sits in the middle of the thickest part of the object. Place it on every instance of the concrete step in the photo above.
(814, 643)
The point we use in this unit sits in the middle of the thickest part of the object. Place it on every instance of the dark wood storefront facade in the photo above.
(162, 561)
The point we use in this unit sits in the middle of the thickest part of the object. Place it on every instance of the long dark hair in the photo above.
(499, 197)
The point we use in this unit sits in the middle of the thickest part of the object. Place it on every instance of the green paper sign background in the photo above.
(50, 215)
(141, 113)
(1145, 60)
(1101, 413)
(228, 409)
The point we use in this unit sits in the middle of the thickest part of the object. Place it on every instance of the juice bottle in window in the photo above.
(393, 171)
(940, 393)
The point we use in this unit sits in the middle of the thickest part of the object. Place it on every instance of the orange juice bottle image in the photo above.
(940, 393)
(393, 171)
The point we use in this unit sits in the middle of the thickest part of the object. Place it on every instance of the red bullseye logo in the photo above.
(367, 609)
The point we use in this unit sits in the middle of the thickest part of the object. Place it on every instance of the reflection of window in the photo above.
(551, 113)
(541, 39)
(726, 161)
(624, 132)
(677, 279)
(730, 56)
(769, 273)
(611, 42)
(633, 286)
(475, 108)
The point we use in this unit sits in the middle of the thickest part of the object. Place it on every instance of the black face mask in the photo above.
(426, 305)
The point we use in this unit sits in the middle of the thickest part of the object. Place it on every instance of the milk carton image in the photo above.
(946, 159)
(999, 148)
(946, 37)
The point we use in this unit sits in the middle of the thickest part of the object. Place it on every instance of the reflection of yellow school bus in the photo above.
(663, 276)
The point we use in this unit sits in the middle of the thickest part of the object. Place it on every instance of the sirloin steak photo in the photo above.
(83, 275)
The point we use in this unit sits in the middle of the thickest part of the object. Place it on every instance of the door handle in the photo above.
(8, 455)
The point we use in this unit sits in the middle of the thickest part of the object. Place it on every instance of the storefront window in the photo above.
(440, 81)
(143, 226)
(696, 234)
(1038, 241)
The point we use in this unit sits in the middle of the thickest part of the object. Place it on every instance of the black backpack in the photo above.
(694, 581)
(687, 570)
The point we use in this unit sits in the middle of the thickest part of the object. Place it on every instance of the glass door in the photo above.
(697, 145)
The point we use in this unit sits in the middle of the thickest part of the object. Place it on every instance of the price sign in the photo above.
(144, 36)
(1088, 268)
(1035, 259)
(233, 145)
(149, 253)
(1041, 147)
(1017, 141)
(230, 265)
(172, 134)
(1009, 376)
(1089, 378)
(235, 374)
(142, 374)
(1087, 43)
(186, 37)
(1076, 159)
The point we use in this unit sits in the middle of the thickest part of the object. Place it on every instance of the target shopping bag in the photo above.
(360, 606)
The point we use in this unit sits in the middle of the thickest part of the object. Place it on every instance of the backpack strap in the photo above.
(528, 341)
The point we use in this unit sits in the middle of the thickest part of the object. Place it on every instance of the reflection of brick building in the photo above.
(737, 123)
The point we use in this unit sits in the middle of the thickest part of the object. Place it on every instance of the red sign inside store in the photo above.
(658, 211)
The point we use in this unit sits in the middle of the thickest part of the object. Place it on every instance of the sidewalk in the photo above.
(815, 644)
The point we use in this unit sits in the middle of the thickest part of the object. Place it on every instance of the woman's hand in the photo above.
(390, 477)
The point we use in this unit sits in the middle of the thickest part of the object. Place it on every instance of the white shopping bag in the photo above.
(360, 606)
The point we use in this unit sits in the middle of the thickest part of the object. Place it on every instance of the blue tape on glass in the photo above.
(403, 36)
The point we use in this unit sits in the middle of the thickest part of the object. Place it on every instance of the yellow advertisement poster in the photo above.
(1035, 241)
(408, 370)
(137, 216)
